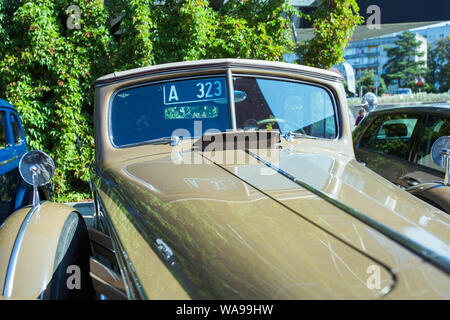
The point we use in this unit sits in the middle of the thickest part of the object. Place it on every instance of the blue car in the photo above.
(14, 192)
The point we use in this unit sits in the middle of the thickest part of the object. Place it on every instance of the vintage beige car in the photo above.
(237, 179)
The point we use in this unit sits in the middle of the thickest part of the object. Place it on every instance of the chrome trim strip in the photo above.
(106, 284)
(440, 261)
(426, 186)
(10, 273)
(9, 160)
(215, 66)
(307, 73)
(133, 287)
(231, 99)
(116, 80)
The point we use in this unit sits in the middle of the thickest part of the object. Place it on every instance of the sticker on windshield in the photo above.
(190, 91)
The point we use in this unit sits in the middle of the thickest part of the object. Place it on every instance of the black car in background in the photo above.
(396, 143)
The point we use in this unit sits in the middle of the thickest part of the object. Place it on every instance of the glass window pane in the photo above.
(394, 135)
(18, 139)
(435, 127)
(370, 134)
(3, 136)
(285, 106)
(185, 108)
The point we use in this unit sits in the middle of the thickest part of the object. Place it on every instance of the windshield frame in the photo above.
(156, 82)
(228, 75)
(334, 101)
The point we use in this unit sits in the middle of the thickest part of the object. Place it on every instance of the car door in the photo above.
(387, 146)
(8, 167)
(435, 126)
(428, 176)
(14, 192)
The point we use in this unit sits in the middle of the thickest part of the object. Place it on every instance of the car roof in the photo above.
(437, 108)
(175, 67)
(4, 103)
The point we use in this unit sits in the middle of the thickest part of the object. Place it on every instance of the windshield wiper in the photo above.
(290, 136)
(173, 140)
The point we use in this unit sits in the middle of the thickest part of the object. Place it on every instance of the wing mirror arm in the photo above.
(445, 163)
(35, 169)
(440, 153)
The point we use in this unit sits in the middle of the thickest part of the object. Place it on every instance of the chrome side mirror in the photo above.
(36, 168)
(440, 153)
(239, 96)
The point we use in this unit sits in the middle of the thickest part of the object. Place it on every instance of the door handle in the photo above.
(411, 181)
(165, 250)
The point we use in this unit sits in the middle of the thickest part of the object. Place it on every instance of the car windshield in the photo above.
(193, 107)
(286, 106)
(186, 108)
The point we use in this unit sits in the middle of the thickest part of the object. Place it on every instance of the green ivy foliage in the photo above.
(182, 30)
(46, 72)
(135, 43)
(47, 66)
(334, 22)
(253, 29)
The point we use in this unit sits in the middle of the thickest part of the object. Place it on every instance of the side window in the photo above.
(3, 136)
(15, 124)
(369, 136)
(435, 127)
(391, 135)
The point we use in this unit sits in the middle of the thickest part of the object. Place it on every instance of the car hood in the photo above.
(262, 228)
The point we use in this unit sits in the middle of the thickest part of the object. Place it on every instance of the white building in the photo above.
(366, 49)
(433, 32)
(371, 54)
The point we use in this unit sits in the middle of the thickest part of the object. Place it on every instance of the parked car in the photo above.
(404, 91)
(396, 143)
(39, 240)
(237, 179)
(225, 179)
(15, 193)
